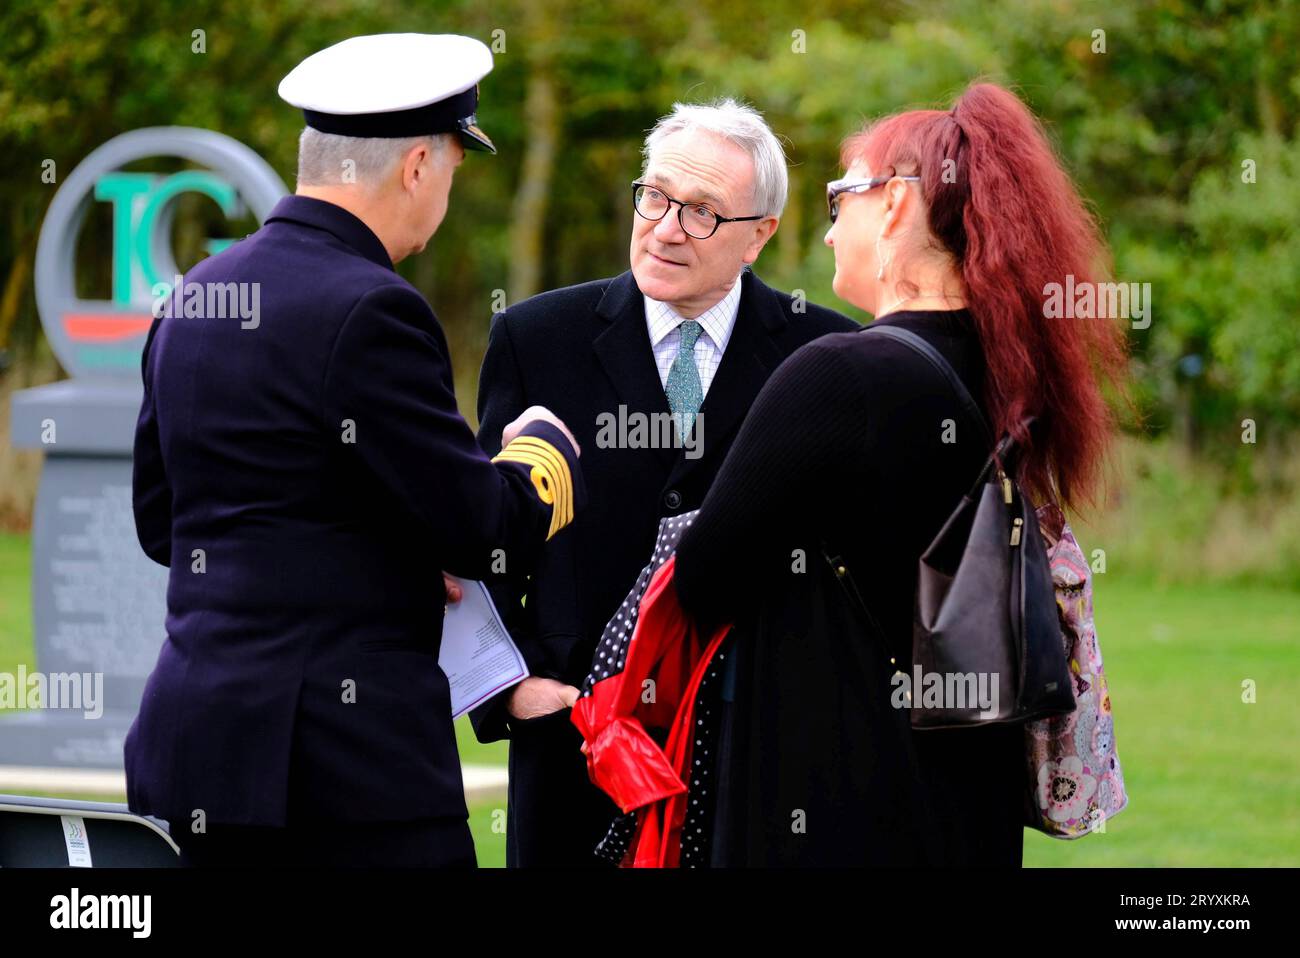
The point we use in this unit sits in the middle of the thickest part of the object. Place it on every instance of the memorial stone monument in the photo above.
(98, 601)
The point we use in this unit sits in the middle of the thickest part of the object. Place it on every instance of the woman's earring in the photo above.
(880, 273)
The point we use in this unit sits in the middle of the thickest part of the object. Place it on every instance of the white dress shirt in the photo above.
(717, 322)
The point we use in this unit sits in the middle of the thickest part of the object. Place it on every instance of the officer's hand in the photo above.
(535, 697)
(543, 414)
(452, 588)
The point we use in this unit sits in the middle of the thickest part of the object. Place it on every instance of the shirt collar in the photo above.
(717, 321)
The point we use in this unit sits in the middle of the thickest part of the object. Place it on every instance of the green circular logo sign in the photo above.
(103, 339)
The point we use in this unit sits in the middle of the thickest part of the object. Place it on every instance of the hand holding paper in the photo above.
(477, 655)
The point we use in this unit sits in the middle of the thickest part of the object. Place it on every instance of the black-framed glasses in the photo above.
(696, 219)
(836, 188)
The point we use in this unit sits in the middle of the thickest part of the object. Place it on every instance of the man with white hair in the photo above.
(654, 371)
(308, 477)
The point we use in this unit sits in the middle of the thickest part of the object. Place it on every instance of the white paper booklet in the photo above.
(477, 653)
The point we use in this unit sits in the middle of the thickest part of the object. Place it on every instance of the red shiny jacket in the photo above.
(649, 697)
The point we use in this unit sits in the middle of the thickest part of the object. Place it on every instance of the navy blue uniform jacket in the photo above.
(307, 476)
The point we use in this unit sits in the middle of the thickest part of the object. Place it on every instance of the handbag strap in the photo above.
(1003, 449)
(919, 345)
(831, 556)
(850, 587)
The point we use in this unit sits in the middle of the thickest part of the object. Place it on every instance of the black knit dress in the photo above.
(858, 444)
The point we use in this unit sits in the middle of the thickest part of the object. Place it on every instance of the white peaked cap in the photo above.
(393, 85)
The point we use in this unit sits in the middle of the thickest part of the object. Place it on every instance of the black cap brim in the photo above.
(472, 138)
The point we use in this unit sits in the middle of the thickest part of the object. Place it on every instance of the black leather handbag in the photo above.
(985, 605)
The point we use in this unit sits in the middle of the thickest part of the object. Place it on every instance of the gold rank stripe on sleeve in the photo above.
(550, 475)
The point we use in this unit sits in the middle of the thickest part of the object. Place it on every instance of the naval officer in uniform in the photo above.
(307, 477)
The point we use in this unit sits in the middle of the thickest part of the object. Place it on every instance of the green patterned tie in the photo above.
(685, 393)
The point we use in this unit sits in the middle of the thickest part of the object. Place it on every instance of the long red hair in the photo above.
(1002, 205)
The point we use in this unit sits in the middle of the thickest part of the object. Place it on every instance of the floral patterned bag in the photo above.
(1075, 782)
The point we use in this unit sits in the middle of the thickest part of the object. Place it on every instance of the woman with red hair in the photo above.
(948, 224)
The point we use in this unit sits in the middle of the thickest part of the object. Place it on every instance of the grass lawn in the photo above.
(15, 601)
(1211, 780)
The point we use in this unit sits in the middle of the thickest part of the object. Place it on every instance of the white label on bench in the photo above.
(78, 842)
